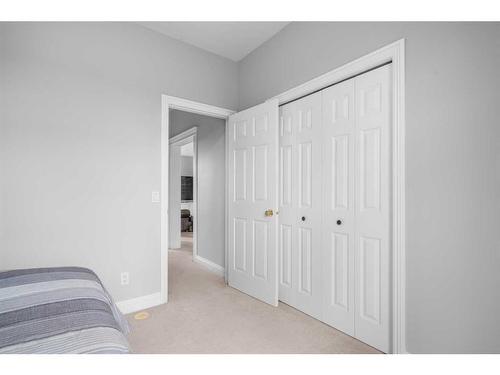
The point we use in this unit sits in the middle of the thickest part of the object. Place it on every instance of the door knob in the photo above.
(303, 218)
(268, 213)
(339, 222)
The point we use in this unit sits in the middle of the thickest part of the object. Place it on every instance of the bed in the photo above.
(59, 310)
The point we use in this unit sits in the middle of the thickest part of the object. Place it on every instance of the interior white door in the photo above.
(253, 190)
(338, 209)
(372, 191)
(300, 265)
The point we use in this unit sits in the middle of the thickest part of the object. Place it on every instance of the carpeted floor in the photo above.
(205, 316)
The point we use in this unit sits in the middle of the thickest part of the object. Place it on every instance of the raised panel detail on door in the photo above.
(285, 125)
(240, 244)
(340, 265)
(260, 125)
(305, 174)
(240, 174)
(369, 253)
(305, 255)
(340, 109)
(240, 130)
(370, 99)
(260, 248)
(340, 171)
(259, 167)
(286, 175)
(305, 119)
(286, 255)
(369, 183)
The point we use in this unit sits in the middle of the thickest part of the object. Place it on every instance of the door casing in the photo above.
(167, 103)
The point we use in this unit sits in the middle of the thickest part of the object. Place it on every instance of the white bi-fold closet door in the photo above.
(324, 162)
(334, 234)
(300, 282)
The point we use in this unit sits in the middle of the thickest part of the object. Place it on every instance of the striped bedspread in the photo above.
(58, 310)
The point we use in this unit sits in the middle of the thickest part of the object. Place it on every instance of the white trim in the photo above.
(195, 193)
(140, 303)
(226, 208)
(360, 65)
(395, 53)
(399, 200)
(212, 267)
(196, 107)
(172, 102)
(183, 136)
(164, 200)
(191, 135)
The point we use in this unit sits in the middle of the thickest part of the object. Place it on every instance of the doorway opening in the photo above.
(196, 199)
(183, 192)
(188, 202)
(171, 132)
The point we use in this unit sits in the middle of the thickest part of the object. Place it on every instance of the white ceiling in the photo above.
(233, 40)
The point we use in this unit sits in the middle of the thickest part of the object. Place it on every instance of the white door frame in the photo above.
(167, 103)
(181, 139)
(395, 53)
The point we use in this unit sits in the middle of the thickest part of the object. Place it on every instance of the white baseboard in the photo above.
(140, 303)
(213, 267)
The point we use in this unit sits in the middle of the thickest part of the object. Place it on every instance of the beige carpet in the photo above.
(205, 316)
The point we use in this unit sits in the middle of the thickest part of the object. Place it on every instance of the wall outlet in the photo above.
(124, 277)
(155, 196)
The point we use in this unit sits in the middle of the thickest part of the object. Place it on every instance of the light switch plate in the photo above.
(155, 196)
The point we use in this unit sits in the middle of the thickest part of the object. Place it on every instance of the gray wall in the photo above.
(453, 161)
(80, 152)
(211, 180)
(80, 117)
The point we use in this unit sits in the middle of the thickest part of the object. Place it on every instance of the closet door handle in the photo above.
(303, 218)
(339, 222)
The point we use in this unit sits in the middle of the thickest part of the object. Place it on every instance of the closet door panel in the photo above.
(338, 207)
(372, 258)
(300, 209)
(288, 197)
